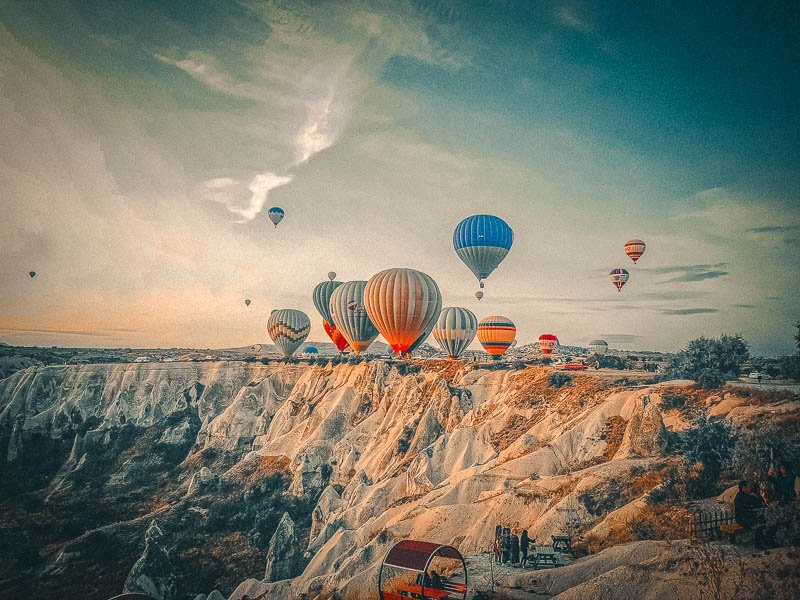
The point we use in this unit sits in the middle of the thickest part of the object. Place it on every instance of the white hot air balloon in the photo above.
(455, 329)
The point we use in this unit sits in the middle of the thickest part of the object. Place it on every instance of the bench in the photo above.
(562, 543)
(452, 586)
(543, 555)
(731, 529)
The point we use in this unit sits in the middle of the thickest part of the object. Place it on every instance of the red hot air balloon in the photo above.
(547, 343)
(635, 249)
(336, 336)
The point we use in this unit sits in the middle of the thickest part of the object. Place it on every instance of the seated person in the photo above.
(747, 506)
(436, 581)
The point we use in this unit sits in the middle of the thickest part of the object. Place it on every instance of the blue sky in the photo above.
(143, 143)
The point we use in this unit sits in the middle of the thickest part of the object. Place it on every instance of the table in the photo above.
(562, 543)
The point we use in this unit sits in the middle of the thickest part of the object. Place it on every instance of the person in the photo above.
(424, 579)
(436, 581)
(505, 545)
(524, 542)
(514, 549)
(746, 506)
(766, 490)
(784, 485)
(496, 547)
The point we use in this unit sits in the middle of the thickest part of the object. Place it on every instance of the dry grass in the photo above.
(255, 468)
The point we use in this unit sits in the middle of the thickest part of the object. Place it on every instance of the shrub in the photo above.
(707, 447)
(609, 361)
(558, 380)
(709, 361)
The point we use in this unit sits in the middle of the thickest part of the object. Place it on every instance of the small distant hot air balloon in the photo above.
(495, 334)
(32, 274)
(455, 329)
(350, 316)
(275, 215)
(598, 347)
(288, 328)
(635, 249)
(331, 275)
(479, 294)
(619, 277)
(256, 348)
(547, 343)
(311, 350)
(336, 336)
(482, 242)
(247, 302)
(403, 304)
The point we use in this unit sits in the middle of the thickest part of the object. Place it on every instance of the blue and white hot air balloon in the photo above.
(482, 242)
(275, 215)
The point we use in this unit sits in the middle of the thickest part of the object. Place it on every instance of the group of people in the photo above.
(774, 489)
(432, 581)
(509, 547)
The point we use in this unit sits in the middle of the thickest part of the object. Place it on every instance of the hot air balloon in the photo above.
(247, 302)
(32, 274)
(331, 275)
(256, 348)
(455, 329)
(311, 350)
(482, 242)
(288, 328)
(479, 294)
(547, 343)
(403, 304)
(322, 297)
(635, 249)
(350, 316)
(495, 334)
(336, 336)
(275, 215)
(598, 346)
(619, 277)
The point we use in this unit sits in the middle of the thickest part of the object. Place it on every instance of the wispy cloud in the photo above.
(773, 228)
(260, 187)
(620, 338)
(691, 273)
(570, 17)
(744, 305)
(689, 311)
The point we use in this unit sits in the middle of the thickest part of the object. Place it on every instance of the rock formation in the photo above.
(152, 573)
(283, 554)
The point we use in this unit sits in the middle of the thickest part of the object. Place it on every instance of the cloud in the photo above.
(571, 18)
(744, 305)
(676, 295)
(691, 273)
(87, 333)
(260, 187)
(773, 228)
(689, 311)
(620, 338)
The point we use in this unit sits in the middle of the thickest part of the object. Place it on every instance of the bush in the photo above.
(609, 361)
(558, 380)
(707, 447)
(709, 361)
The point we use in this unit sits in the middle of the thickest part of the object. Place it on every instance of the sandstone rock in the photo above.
(200, 481)
(283, 555)
(645, 434)
(152, 573)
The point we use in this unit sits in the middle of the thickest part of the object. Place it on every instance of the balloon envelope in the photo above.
(247, 302)
(482, 242)
(288, 328)
(336, 336)
(598, 346)
(634, 249)
(455, 329)
(350, 316)
(619, 277)
(32, 274)
(275, 215)
(403, 304)
(479, 294)
(547, 343)
(322, 298)
(331, 275)
(495, 334)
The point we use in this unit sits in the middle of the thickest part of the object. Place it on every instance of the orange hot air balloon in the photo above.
(403, 304)
(336, 336)
(496, 334)
(547, 343)
(635, 249)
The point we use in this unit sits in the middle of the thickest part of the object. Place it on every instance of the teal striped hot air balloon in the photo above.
(350, 316)
(322, 298)
(288, 328)
(455, 329)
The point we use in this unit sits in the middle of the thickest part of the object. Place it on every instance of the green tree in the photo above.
(710, 361)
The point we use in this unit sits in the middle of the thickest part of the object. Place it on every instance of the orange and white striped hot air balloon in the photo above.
(635, 249)
(495, 334)
(403, 304)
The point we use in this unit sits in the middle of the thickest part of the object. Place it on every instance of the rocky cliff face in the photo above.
(357, 456)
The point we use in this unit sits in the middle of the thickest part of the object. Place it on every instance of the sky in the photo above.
(142, 144)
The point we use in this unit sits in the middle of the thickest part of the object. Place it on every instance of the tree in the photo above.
(707, 447)
(710, 361)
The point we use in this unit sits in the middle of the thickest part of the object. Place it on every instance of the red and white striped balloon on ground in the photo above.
(547, 343)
